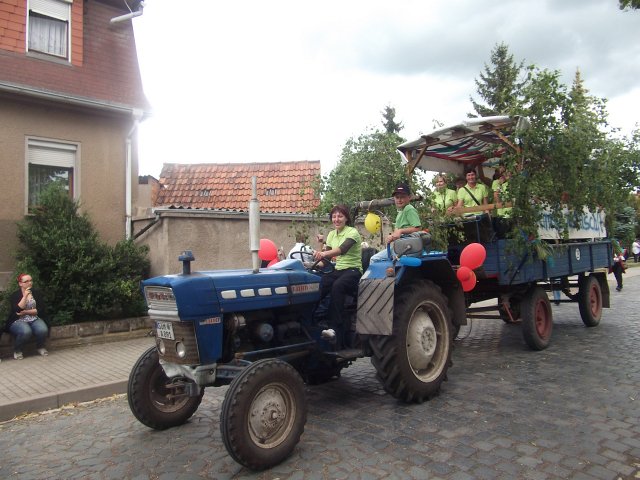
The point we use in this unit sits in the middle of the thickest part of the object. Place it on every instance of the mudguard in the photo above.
(375, 306)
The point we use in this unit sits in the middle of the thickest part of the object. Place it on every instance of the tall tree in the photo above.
(625, 225)
(629, 4)
(369, 168)
(388, 120)
(500, 84)
(570, 156)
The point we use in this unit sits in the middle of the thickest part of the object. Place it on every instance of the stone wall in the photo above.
(218, 239)
(86, 333)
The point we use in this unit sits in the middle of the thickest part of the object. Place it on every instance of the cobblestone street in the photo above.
(571, 411)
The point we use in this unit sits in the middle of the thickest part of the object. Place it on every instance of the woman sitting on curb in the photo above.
(25, 317)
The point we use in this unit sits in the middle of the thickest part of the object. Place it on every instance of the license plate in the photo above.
(164, 330)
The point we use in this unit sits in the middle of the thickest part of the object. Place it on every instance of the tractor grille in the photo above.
(160, 298)
(184, 333)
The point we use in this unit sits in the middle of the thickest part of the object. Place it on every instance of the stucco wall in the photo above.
(218, 240)
(100, 174)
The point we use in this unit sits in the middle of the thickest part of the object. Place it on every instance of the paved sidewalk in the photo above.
(88, 372)
(69, 375)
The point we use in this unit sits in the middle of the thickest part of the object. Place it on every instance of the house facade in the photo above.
(70, 101)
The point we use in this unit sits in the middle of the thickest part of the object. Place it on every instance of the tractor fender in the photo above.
(376, 294)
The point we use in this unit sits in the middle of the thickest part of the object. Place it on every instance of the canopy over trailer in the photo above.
(482, 141)
(468, 144)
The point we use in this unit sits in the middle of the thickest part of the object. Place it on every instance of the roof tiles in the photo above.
(282, 187)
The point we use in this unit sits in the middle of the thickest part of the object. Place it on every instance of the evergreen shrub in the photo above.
(82, 277)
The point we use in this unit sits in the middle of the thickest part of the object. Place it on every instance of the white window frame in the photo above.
(59, 10)
(52, 153)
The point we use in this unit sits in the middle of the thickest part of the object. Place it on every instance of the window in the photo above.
(49, 22)
(49, 162)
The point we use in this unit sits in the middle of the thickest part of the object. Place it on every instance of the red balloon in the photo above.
(470, 283)
(464, 274)
(473, 256)
(275, 260)
(268, 250)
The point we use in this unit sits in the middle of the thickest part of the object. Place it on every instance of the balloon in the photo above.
(372, 223)
(473, 256)
(275, 260)
(470, 283)
(464, 274)
(268, 250)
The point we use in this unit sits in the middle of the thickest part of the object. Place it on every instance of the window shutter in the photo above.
(51, 8)
(52, 154)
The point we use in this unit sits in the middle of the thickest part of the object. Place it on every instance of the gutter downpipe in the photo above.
(137, 115)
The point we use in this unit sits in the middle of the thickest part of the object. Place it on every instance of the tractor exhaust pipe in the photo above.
(254, 226)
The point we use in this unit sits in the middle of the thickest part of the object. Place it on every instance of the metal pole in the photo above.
(254, 226)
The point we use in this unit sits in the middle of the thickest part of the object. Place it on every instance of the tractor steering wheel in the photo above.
(313, 266)
(302, 254)
(328, 267)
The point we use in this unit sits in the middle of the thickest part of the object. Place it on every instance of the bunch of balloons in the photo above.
(472, 257)
(268, 251)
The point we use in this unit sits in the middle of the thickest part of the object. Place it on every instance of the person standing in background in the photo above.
(635, 250)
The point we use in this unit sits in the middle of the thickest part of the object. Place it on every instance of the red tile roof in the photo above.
(283, 187)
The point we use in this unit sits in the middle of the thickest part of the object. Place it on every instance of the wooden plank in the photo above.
(481, 208)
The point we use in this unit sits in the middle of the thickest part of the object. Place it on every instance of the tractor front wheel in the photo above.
(157, 401)
(263, 414)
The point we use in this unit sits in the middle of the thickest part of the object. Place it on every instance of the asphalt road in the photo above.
(571, 411)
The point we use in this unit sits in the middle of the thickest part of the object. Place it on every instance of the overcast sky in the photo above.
(252, 80)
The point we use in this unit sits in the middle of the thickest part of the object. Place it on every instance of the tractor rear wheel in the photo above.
(412, 362)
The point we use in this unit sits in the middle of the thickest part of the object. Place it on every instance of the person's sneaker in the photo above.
(618, 289)
(328, 334)
(17, 355)
(43, 352)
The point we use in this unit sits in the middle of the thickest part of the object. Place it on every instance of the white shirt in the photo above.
(301, 247)
(635, 247)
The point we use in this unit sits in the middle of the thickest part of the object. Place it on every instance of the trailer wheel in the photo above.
(412, 363)
(537, 319)
(590, 301)
(156, 400)
(263, 414)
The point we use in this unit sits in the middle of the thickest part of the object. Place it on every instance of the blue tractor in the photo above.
(259, 331)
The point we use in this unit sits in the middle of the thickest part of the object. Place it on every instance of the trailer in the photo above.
(518, 281)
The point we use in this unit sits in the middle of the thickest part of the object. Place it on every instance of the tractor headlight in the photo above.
(161, 346)
(181, 350)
